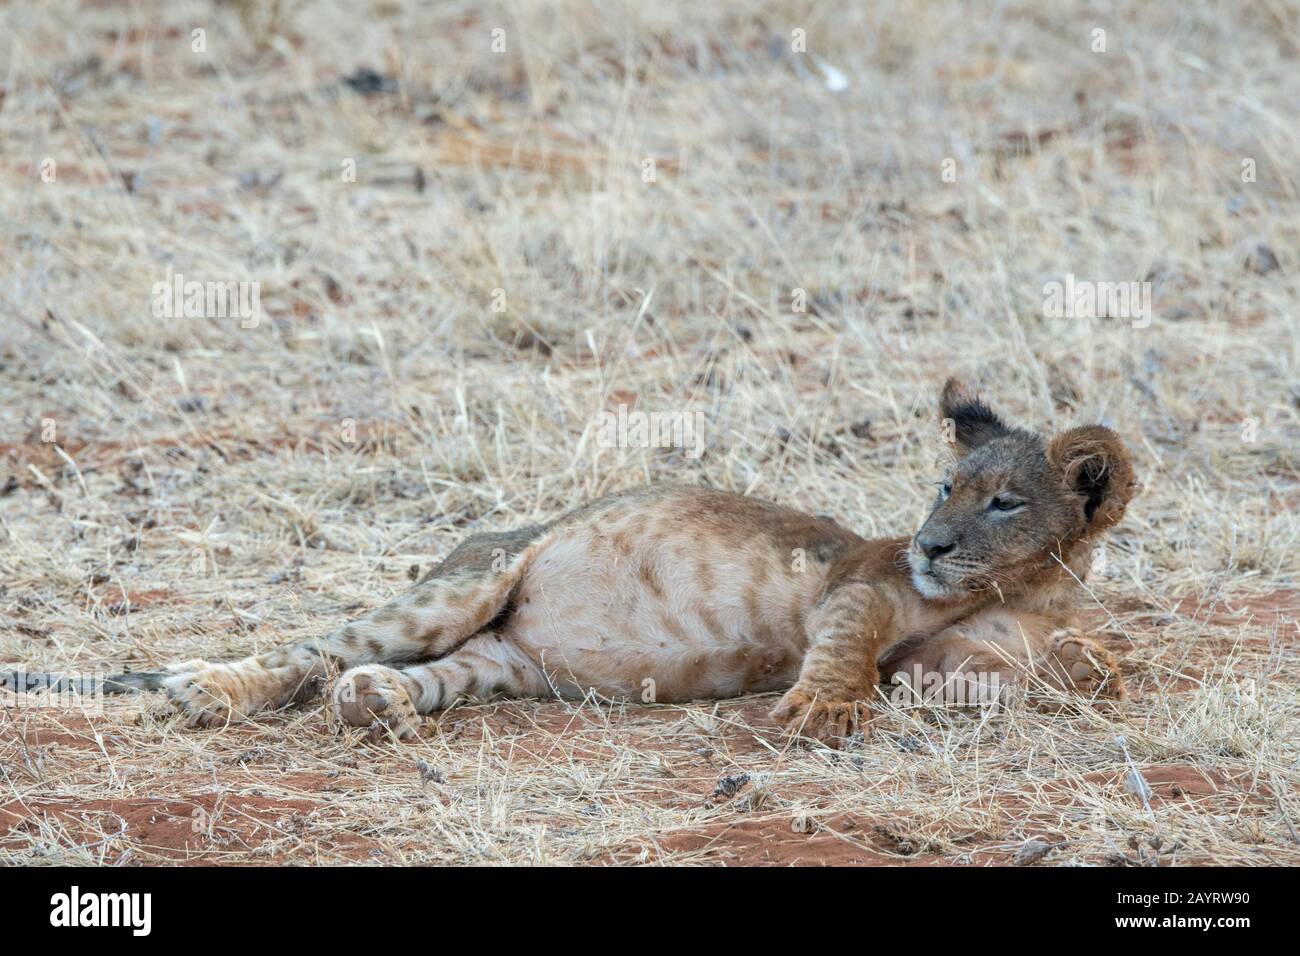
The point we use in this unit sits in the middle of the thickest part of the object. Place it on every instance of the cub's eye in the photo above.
(945, 488)
(1004, 503)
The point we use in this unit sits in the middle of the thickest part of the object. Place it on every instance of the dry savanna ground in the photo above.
(469, 243)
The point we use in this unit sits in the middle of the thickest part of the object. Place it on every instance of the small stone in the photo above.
(1031, 851)
(429, 774)
(1262, 261)
(729, 786)
(1136, 784)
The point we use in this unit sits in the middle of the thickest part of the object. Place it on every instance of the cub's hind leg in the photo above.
(954, 667)
(389, 698)
(1071, 662)
(981, 660)
(463, 595)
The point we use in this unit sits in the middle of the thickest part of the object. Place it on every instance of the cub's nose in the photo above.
(935, 544)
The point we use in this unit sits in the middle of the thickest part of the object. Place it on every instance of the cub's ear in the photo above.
(966, 421)
(1094, 464)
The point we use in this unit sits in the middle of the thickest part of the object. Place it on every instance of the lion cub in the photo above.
(678, 593)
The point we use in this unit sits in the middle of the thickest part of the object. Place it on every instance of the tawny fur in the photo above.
(678, 593)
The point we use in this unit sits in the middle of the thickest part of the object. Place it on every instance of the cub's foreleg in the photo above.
(430, 619)
(849, 627)
(389, 698)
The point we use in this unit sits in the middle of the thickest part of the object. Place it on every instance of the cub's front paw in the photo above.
(377, 697)
(210, 695)
(827, 721)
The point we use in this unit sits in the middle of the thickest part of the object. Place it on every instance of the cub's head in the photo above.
(1011, 500)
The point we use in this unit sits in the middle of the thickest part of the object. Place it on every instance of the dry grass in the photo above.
(200, 497)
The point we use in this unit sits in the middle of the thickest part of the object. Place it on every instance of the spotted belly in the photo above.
(657, 616)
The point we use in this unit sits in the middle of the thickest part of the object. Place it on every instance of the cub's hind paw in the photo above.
(1081, 666)
(379, 698)
(209, 695)
(829, 722)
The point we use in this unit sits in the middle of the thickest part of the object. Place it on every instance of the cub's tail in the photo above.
(26, 682)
